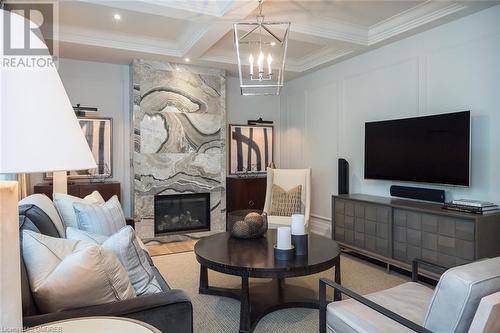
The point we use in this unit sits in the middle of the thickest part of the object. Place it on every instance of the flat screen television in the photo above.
(431, 149)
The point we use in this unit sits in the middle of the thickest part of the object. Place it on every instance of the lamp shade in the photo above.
(39, 131)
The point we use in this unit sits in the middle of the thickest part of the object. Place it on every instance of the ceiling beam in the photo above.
(199, 38)
(173, 9)
(116, 41)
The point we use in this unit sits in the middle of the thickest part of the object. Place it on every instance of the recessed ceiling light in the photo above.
(117, 17)
(177, 69)
(273, 43)
(187, 59)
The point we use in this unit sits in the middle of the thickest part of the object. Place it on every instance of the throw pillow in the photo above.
(69, 274)
(64, 205)
(102, 219)
(44, 203)
(126, 247)
(285, 203)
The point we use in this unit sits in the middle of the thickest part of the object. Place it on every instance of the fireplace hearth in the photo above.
(180, 213)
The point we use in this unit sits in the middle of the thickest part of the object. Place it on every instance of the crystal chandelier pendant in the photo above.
(261, 50)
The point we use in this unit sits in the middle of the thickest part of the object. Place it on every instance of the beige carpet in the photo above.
(219, 314)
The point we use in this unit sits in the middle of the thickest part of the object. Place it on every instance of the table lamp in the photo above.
(39, 132)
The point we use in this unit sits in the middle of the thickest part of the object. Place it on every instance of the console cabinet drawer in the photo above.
(365, 226)
(443, 240)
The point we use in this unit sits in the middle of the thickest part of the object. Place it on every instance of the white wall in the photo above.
(105, 86)
(450, 68)
(243, 108)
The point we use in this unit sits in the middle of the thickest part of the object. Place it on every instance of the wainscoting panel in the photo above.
(383, 93)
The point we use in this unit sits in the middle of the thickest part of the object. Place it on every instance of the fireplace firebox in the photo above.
(178, 213)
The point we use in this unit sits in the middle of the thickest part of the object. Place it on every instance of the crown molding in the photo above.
(324, 55)
(197, 6)
(412, 18)
(192, 36)
(116, 41)
(334, 30)
(336, 38)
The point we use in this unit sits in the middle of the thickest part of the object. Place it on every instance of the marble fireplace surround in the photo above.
(179, 122)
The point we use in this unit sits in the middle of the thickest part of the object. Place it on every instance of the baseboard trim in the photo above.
(321, 225)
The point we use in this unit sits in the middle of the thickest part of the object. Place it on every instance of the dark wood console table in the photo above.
(396, 231)
(82, 189)
(245, 192)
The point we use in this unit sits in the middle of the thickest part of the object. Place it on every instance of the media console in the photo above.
(396, 231)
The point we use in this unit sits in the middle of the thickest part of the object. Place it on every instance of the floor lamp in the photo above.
(39, 132)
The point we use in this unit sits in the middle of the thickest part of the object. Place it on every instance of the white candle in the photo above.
(284, 241)
(269, 61)
(260, 62)
(250, 60)
(298, 224)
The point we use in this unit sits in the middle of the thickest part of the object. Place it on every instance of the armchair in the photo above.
(287, 179)
(487, 318)
(412, 307)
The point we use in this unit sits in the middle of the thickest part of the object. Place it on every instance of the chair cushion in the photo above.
(274, 222)
(458, 294)
(409, 300)
(47, 206)
(103, 219)
(286, 203)
(124, 244)
(67, 274)
(487, 317)
(64, 205)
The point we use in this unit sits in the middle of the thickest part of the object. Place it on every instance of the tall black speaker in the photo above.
(343, 176)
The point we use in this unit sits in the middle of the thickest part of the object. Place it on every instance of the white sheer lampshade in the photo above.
(38, 132)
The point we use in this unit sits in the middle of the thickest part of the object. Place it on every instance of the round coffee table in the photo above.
(254, 258)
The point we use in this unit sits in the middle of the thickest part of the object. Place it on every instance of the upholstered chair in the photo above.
(287, 179)
(412, 307)
(487, 317)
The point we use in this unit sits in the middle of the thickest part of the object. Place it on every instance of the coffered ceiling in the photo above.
(322, 32)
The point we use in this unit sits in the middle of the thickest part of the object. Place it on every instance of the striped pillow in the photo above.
(101, 219)
(285, 203)
(126, 247)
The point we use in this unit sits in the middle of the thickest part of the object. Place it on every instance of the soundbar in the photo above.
(425, 194)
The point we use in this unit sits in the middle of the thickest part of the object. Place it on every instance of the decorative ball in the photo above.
(240, 230)
(254, 220)
(253, 226)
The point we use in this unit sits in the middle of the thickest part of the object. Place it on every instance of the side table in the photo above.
(96, 325)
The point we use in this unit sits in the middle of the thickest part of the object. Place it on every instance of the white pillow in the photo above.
(68, 274)
(64, 205)
(125, 245)
(103, 219)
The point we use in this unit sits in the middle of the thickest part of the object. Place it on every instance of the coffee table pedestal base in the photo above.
(261, 298)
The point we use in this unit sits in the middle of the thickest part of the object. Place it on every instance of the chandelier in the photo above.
(261, 50)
